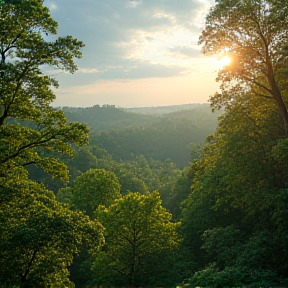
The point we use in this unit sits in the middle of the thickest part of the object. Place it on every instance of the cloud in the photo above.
(141, 92)
(133, 71)
(130, 39)
(88, 71)
(186, 51)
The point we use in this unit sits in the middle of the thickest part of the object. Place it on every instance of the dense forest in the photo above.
(159, 135)
(155, 197)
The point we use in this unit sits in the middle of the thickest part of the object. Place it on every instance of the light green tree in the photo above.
(38, 238)
(29, 127)
(129, 182)
(140, 241)
(91, 189)
(88, 191)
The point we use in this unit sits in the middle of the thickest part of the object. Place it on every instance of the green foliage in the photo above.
(106, 118)
(233, 277)
(171, 109)
(129, 183)
(83, 161)
(178, 192)
(138, 175)
(39, 237)
(167, 139)
(230, 220)
(138, 233)
(254, 35)
(30, 129)
(234, 219)
(166, 136)
(222, 245)
(91, 189)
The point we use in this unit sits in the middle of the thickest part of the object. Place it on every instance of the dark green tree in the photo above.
(39, 237)
(233, 220)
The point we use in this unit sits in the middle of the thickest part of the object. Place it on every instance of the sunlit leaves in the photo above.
(138, 232)
(93, 188)
(39, 237)
(22, 145)
(29, 128)
(254, 34)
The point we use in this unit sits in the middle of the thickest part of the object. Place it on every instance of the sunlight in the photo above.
(224, 61)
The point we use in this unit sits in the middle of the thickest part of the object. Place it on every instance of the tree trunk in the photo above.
(282, 110)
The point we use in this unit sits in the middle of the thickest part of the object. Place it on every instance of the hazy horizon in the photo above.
(137, 53)
(134, 107)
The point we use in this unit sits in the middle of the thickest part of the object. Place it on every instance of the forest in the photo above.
(145, 197)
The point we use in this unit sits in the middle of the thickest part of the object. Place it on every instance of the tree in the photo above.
(39, 237)
(180, 191)
(29, 127)
(234, 217)
(91, 189)
(83, 161)
(138, 234)
(131, 183)
(88, 191)
(254, 35)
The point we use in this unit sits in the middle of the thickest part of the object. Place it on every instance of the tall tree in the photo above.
(138, 234)
(39, 237)
(254, 35)
(237, 207)
(29, 127)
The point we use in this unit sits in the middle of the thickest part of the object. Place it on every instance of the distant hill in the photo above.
(160, 110)
(154, 132)
(105, 118)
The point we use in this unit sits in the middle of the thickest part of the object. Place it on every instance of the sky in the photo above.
(137, 53)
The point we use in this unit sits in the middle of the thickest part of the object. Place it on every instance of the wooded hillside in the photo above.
(168, 135)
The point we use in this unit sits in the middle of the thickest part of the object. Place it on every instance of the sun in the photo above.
(224, 61)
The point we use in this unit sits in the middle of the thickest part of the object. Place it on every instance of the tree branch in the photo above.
(258, 84)
(28, 146)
